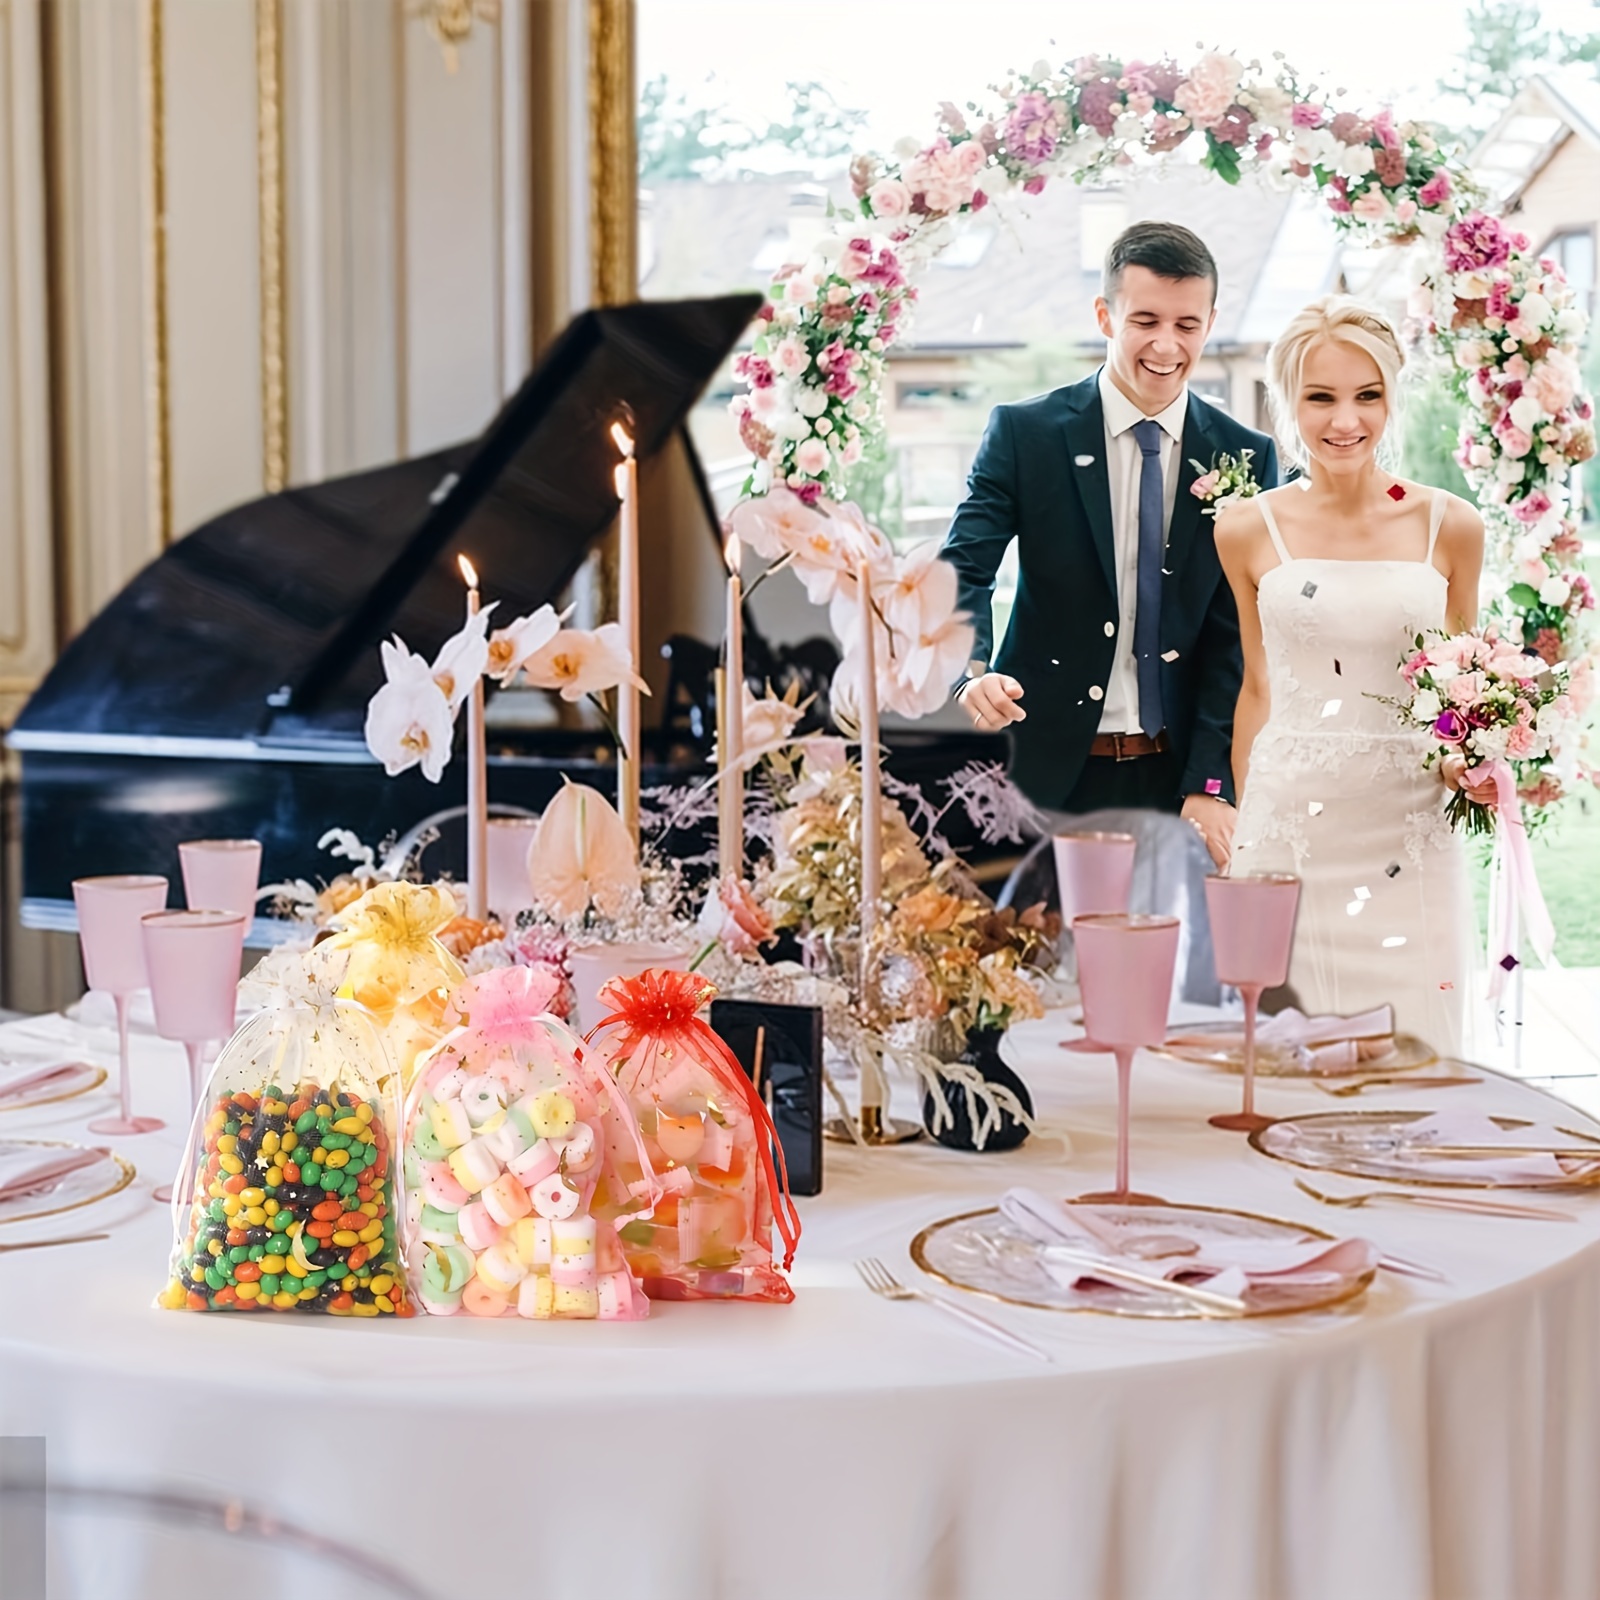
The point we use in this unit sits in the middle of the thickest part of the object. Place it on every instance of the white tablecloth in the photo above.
(1428, 1441)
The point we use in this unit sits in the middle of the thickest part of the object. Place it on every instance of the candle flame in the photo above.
(731, 553)
(469, 573)
(623, 438)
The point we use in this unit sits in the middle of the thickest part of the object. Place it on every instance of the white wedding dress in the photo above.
(1336, 793)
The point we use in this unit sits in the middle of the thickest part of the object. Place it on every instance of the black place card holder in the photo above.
(791, 1075)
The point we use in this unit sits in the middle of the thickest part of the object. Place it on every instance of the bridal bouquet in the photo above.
(1501, 707)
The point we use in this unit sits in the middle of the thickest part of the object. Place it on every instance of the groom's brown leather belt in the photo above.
(1127, 746)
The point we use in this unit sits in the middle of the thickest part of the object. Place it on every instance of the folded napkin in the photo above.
(1324, 1044)
(1471, 1127)
(1229, 1266)
(22, 1077)
(24, 1169)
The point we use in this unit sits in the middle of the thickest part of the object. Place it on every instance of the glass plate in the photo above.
(982, 1251)
(1281, 1061)
(79, 1078)
(83, 1187)
(1367, 1144)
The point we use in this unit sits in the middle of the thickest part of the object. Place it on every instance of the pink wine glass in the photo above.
(1252, 934)
(1095, 872)
(109, 910)
(193, 961)
(1125, 967)
(221, 874)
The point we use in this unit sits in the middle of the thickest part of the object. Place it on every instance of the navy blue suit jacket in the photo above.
(1027, 484)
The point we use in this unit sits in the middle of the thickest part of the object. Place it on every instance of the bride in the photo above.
(1335, 575)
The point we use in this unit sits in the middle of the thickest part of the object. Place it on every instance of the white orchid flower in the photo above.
(409, 720)
(510, 646)
(577, 662)
(462, 658)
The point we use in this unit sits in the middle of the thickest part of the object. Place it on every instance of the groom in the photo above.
(1120, 669)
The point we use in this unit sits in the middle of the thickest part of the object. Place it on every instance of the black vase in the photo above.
(983, 1052)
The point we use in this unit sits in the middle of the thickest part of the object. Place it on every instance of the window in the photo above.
(930, 396)
(1574, 253)
(1102, 218)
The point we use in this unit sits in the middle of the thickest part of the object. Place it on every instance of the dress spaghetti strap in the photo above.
(1277, 538)
(1435, 518)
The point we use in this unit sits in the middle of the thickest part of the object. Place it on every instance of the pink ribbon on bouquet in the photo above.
(1514, 892)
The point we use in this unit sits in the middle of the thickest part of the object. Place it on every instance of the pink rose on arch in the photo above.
(1233, 127)
(1532, 508)
(1141, 105)
(1390, 165)
(1306, 115)
(1476, 242)
(1349, 129)
(1339, 198)
(1383, 126)
(1209, 90)
(1372, 205)
(1582, 596)
(889, 197)
(1436, 191)
(812, 458)
(1405, 211)
(1555, 381)
(1035, 184)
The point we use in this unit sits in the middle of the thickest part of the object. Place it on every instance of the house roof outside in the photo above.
(1017, 276)
(1548, 110)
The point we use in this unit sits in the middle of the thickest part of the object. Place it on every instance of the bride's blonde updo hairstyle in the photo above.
(1335, 316)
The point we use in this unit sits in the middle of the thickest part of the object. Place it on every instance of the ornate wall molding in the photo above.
(274, 274)
(159, 383)
(613, 161)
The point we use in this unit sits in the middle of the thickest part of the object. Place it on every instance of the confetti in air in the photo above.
(1309, 590)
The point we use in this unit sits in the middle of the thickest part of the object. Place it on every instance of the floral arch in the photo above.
(1502, 320)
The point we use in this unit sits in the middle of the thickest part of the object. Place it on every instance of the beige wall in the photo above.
(1565, 195)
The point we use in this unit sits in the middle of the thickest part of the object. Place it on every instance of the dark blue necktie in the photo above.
(1147, 613)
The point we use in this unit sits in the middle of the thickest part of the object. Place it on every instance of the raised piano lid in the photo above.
(257, 634)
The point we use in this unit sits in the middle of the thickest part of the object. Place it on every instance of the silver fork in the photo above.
(1342, 1091)
(881, 1281)
(1438, 1202)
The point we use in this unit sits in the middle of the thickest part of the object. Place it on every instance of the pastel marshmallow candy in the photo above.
(536, 1297)
(570, 1301)
(424, 1141)
(581, 1148)
(445, 1273)
(441, 1189)
(479, 1230)
(536, 1163)
(616, 1297)
(475, 1166)
(574, 1236)
(554, 1197)
(448, 1085)
(553, 1114)
(717, 1151)
(506, 1200)
(436, 1227)
(532, 1237)
(451, 1125)
(478, 1299)
(483, 1097)
(499, 1267)
(680, 1138)
(510, 1136)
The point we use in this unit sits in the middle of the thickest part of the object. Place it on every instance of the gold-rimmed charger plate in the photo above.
(79, 1078)
(1193, 1044)
(983, 1253)
(97, 1181)
(1362, 1144)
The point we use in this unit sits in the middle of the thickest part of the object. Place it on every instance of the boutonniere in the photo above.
(1227, 480)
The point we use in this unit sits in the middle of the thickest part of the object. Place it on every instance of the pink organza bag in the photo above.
(708, 1135)
(512, 1142)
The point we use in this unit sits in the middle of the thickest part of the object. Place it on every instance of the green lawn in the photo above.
(1566, 853)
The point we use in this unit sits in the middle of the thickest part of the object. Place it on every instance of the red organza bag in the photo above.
(710, 1140)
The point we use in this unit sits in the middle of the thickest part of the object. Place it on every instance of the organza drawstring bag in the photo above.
(514, 1191)
(285, 1200)
(710, 1138)
(397, 968)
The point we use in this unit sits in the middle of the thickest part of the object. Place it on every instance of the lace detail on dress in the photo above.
(1427, 830)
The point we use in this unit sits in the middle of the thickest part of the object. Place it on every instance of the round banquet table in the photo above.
(1425, 1440)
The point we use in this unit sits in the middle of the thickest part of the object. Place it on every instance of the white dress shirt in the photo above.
(1124, 466)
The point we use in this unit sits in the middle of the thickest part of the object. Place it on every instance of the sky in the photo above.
(899, 58)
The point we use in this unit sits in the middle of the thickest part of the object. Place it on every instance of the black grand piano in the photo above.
(222, 693)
